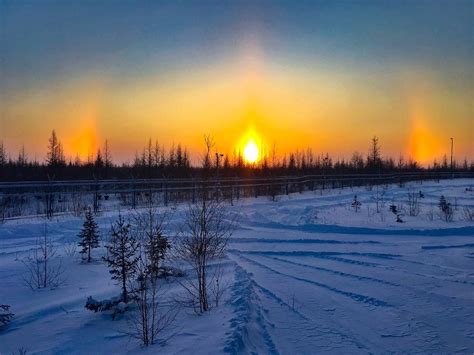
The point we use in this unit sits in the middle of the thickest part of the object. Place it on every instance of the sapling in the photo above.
(122, 254)
(89, 236)
(44, 266)
(203, 239)
(356, 204)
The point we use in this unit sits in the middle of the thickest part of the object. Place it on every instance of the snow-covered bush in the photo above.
(446, 210)
(169, 271)
(396, 211)
(356, 204)
(5, 315)
(393, 208)
(115, 305)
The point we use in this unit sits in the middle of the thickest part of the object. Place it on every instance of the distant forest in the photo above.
(155, 161)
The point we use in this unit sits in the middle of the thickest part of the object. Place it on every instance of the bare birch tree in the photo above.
(203, 239)
(44, 266)
(152, 315)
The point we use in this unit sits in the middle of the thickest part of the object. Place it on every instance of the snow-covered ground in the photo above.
(305, 274)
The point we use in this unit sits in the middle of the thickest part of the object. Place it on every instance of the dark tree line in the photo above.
(156, 161)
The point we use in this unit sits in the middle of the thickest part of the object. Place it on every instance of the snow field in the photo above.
(305, 274)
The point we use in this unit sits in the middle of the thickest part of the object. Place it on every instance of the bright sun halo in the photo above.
(251, 152)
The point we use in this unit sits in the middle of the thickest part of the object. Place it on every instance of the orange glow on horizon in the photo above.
(84, 143)
(424, 143)
(81, 140)
(241, 101)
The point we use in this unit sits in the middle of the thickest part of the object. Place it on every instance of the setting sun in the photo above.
(251, 152)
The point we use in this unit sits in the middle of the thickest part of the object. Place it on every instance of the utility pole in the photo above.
(218, 156)
(452, 167)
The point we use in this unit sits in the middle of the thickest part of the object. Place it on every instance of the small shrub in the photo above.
(446, 210)
(44, 267)
(356, 204)
(5, 315)
(393, 209)
(115, 304)
(413, 205)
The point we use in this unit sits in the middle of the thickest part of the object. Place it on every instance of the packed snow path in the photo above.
(305, 275)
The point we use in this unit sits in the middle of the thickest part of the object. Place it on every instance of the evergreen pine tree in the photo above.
(122, 254)
(89, 235)
(156, 246)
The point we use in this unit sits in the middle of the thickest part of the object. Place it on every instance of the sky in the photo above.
(327, 75)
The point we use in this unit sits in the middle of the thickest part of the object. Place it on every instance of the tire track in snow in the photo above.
(406, 317)
(317, 254)
(311, 329)
(407, 326)
(336, 272)
(337, 229)
(388, 257)
(300, 241)
(449, 270)
(354, 296)
(309, 325)
(274, 297)
(421, 294)
(332, 256)
(457, 246)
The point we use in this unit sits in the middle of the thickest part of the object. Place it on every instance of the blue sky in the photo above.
(43, 39)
